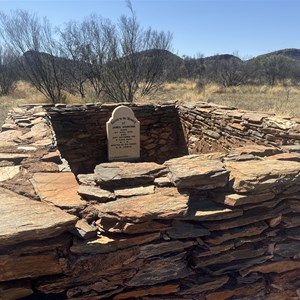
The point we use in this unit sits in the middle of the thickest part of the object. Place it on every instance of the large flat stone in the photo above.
(127, 174)
(248, 290)
(133, 228)
(148, 291)
(59, 189)
(201, 208)
(30, 266)
(14, 157)
(239, 199)
(273, 267)
(161, 270)
(95, 193)
(245, 231)
(8, 172)
(10, 135)
(135, 191)
(166, 203)
(197, 171)
(22, 219)
(185, 230)
(15, 290)
(105, 244)
(263, 175)
(258, 150)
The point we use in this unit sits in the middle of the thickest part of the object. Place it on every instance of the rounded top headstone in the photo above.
(122, 110)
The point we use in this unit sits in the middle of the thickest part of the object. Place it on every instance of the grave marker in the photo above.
(123, 135)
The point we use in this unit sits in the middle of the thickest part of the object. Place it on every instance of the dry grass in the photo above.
(281, 99)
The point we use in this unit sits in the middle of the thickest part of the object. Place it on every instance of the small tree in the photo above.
(31, 40)
(7, 71)
(74, 46)
(228, 70)
(136, 59)
(274, 67)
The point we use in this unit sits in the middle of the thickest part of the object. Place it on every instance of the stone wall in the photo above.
(81, 133)
(221, 225)
(210, 127)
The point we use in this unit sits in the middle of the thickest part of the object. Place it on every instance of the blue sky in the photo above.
(208, 27)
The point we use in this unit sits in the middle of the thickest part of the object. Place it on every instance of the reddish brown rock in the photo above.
(28, 266)
(195, 285)
(249, 217)
(154, 290)
(8, 172)
(133, 228)
(41, 167)
(213, 250)
(52, 157)
(245, 231)
(43, 221)
(273, 267)
(104, 244)
(204, 209)
(171, 204)
(135, 191)
(127, 174)
(238, 199)
(184, 230)
(286, 156)
(84, 230)
(248, 290)
(161, 270)
(59, 189)
(156, 249)
(258, 150)
(95, 193)
(15, 290)
(228, 257)
(196, 171)
(14, 157)
(263, 176)
(108, 269)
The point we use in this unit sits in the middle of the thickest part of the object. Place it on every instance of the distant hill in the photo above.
(174, 65)
(290, 53)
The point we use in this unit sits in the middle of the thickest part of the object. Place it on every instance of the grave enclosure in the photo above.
(210, 210)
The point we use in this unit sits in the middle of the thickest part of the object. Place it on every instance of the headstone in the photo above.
(123, 134)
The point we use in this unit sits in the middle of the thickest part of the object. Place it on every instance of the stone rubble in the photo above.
(220, 225)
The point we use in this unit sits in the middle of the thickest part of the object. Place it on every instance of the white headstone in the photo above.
(123, 135)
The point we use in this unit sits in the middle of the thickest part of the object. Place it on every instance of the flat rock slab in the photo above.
(95, 193)
(135, 191)
(161, 270)
(198, 172)
(59, 189)
(204, 209)
(14, 157)
(263, 175)
(240, 199)
(104, 244)
(23, 219)
(10, 135)
(165, 203)
(258, 150)
(8, 172)
(127, 174)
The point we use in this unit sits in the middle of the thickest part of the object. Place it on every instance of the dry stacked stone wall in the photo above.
(81, 133)
(209, 127)
(218, 225)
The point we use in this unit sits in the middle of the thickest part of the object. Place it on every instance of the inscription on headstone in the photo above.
(123, 135)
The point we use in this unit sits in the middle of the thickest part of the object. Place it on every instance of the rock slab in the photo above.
(23, 219)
